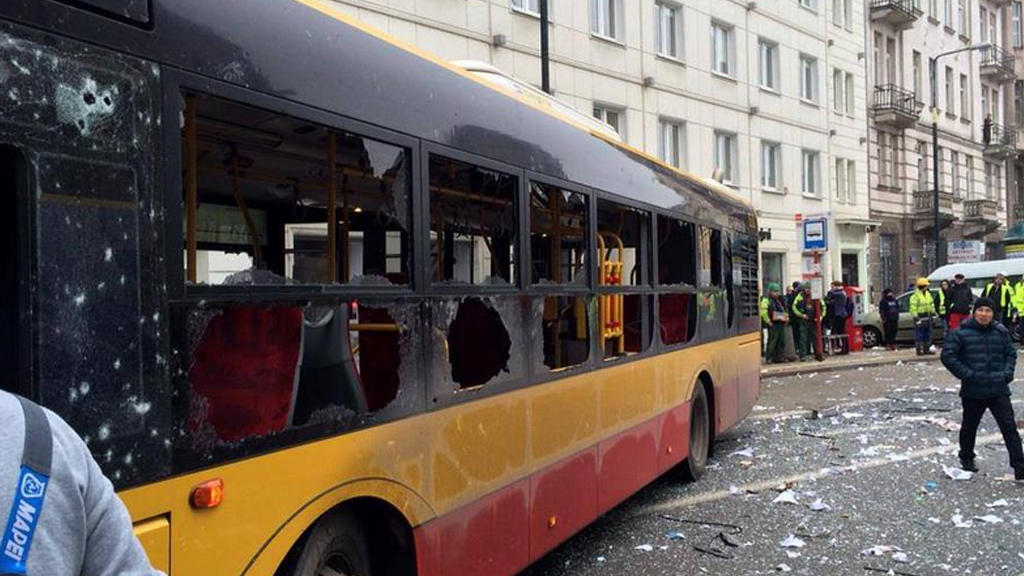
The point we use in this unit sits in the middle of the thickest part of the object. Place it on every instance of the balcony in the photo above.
(1018, 212)
(924, 216)
(1000, 142)
(981, 218)
(997, 64)
(900, 14)
(999, 2)
(895, 106)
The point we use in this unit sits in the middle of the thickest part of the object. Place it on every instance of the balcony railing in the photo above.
(898, 13)
(1018, 212)
(997, 63)
(894, 105)
(981, 210)
(924, 214)
(1000, 141)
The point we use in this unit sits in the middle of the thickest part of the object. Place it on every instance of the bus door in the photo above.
(80, 263)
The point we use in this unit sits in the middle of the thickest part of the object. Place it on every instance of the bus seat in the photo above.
(674, 319)
(631, 329)
(328, 376)
(245, 367)
(379, 359)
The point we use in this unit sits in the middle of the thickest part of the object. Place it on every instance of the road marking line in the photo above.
(805, 476)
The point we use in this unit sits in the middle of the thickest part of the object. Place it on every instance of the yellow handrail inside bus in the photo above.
(610, 306)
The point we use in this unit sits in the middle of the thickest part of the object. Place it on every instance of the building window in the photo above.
(809, 4)
(996, 101)
(1018, 102)
(838, 90)
(993, 27)
(722, 48)
(889, 261)
(768, 64)
(851, 182)
(965, 108)
(970, 177)
(961, 12)
(950, 103)
(725, 156)
(984, 23)
(884, 168)
(955, 167)
(890, 61)
(848, 13)
(606, 18)
(985, 94)
(811, 173)
(949, 13)
(988, 180)
(771, 165)
(933, 9)
(668, 30)
(840, 170)
(1016, 30)
(850, 98)
(671, 143)
(531, 7)
(809, 79)
(916, 74)
(837, 12)
(611, 117)
(773, 268)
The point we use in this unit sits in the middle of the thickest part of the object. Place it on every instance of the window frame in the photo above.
(768, 52)
(733, 149)
(660, 6)
(665, 122)
(423, 261)
(619, 110)
(671, 289)
(810, 172)
(729, 32)
(779, 186)
(179, 291)
(810, 64)
(591, 196)
(525, 10)
(613, 21)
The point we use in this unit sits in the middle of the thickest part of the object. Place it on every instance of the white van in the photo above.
(979, 274)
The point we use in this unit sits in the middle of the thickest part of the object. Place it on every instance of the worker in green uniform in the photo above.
(779, 319)
(922, 309)
(803, 317)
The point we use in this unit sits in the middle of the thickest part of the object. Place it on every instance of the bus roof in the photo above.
(363, 74)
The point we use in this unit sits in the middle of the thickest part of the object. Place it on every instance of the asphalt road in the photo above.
(872, 456)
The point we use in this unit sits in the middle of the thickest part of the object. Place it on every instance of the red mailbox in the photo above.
(854, 330)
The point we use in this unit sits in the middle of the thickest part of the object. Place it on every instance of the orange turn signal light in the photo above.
(208, 494)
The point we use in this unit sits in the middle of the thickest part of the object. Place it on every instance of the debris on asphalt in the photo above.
(819, 506)
(931, 486)
(786, 497)
(901, 557)
(745, 453)
(792, 541)
(880, 550)
(675, 535)
(644, 548)
(783, 568)
(957, 473)
(959, 522)
(989, 519)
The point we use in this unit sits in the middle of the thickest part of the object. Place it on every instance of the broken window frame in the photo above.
(178, 85)
(745, 247)
(678, 288)
(644, 288)
(520, 258)
(183, 296)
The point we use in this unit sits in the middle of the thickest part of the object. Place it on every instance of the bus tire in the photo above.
(700, 436)
(335, 546)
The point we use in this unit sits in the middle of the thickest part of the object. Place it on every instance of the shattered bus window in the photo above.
(478, 341)
(558, 235)
(473, 223)
(566, 339)
(259, 370)
(677, 317)
(676, 251)
(267, 185)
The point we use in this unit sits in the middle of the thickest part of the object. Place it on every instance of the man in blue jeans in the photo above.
(982, 356)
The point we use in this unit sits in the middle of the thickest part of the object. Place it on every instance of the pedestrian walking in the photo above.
(982, 356)
(779, 319)
(838, 309)
(803, 321)
(959, 301)
(922, 309)
(1001, 294)
(889, 309)
(64, 519)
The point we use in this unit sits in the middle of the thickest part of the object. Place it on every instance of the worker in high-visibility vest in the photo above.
(1001, 293)
(779, 320)
(803, 314)
(766, 322)
(1018, 305)
(922, 309)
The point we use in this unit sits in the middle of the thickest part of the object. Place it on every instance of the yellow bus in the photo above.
(321, 304)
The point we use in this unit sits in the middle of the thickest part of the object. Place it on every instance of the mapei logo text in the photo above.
(32, 487)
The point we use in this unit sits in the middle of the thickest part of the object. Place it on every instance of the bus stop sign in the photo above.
(814, 234)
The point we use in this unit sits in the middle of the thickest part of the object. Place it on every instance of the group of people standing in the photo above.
(792, 317)
(953, 304)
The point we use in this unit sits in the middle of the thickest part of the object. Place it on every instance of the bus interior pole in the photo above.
(545, 56)
(332, 209)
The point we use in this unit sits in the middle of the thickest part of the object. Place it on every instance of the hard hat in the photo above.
(805, 286)
(773, 286)
(922, 282)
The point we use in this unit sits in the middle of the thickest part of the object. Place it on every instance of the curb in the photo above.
(809, 368)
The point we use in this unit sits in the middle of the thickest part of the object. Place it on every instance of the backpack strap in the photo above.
(36, 462)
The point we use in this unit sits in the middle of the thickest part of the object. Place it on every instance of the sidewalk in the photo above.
(873, 357)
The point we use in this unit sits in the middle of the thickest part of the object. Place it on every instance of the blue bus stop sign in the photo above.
(815, 234)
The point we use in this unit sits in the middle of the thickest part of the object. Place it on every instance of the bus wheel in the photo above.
(335, 547)
(700, 435)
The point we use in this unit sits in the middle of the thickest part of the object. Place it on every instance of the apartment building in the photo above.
(975, 140)
(771, 94)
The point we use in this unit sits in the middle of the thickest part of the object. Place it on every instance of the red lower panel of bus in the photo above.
(502, 533)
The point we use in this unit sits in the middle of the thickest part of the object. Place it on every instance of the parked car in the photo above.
(872, 323)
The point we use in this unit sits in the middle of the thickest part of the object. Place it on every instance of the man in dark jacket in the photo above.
(981, 354)
(960, 301)
(838, 308)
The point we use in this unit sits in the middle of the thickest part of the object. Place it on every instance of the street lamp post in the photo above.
(934, 70)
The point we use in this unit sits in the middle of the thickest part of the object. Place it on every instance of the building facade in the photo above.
(967, 96)
(770, 94)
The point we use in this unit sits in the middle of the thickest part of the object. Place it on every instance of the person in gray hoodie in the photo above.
(61, 514)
